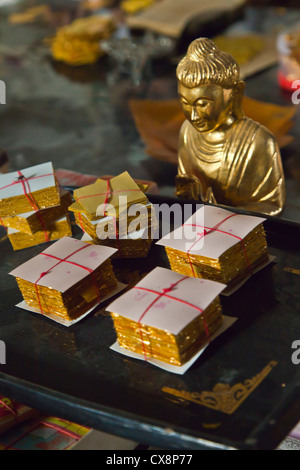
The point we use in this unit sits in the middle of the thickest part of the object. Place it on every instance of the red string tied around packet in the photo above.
(109, 192)
(207, 231)
(165, 293)
(64, 260)
(24, 181)
(21, 179)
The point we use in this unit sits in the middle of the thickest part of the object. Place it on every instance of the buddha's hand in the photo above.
(193, 188)
(208, 196)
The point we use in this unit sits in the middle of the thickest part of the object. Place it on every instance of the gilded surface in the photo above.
(224, 157)
(224, 397)
(292, 270)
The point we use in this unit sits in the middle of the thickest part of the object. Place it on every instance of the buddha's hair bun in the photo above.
(204, 63)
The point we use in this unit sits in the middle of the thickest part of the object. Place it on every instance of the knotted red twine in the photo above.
(17, 181)
(64, 260)
(207, 231)
(165, 293)
(27, 192)
(109, 192)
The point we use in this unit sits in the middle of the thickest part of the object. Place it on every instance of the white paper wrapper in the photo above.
(61, 276)
(173, 311)
(180, 370)
(26, 215)
(196, 236)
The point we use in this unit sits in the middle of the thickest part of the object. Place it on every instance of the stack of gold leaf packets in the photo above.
(67, 280)
(116, 213)
(167, 316)
(218, 244)
(32, 206)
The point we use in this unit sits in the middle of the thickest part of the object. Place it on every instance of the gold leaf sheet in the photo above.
(79, 42)
(55, 231)
(33, 223)
(89, 198)
(163, 345)
(43, 199)
(75, 301)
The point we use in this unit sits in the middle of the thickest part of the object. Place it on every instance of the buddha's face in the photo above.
(207, 107)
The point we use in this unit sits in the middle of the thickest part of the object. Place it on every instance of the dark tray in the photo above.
(242, 393)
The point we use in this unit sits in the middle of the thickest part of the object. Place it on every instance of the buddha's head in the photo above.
(209, 86)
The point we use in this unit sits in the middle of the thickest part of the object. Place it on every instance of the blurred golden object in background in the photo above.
(40, 12)
(133, 6)
(243, 48)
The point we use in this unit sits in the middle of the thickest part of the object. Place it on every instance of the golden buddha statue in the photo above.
(224, 157)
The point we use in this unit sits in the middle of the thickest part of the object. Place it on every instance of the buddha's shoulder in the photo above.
(261, 138)
(243, 128)
(245, 124)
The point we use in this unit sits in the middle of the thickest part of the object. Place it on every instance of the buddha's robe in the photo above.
(239, 167)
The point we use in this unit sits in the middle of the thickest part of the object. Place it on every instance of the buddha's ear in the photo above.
(237, 107)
